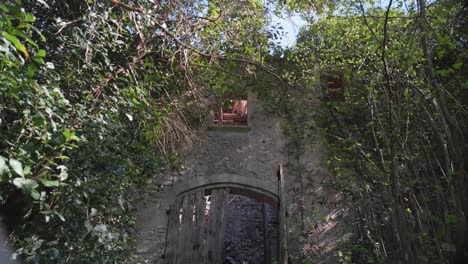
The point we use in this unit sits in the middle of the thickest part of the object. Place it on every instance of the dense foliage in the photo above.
(394, 82)
(94, 97)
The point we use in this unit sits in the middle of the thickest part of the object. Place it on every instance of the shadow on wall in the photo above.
(326, 229)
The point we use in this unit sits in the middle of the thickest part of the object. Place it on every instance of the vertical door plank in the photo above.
(221, 209)
(199, 228)
(212, 229)
(283, 229)
(194, 237)
(184, 245)
(172, 233)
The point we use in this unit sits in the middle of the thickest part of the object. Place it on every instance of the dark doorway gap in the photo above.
(245, 239)
(223, 225)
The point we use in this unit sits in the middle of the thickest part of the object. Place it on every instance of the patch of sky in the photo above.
(289, 26)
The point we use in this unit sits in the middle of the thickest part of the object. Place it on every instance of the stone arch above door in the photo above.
(257, 188)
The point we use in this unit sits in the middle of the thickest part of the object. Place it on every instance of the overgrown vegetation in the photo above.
(393, 82)
(95, 96)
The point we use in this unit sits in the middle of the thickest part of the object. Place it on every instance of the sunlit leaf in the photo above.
(16, 166)
(41, 53)
(17, 43)
(29, 17)
(50, 183)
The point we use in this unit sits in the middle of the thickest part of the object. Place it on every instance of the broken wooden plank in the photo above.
(210, 247)
(184, 246)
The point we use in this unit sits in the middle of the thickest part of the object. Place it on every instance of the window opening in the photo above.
(230, 113)
(334, 87)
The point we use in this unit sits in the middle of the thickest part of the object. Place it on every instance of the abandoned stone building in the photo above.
(243, 195)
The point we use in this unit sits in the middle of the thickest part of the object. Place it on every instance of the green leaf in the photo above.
(31, 70)
(50, 183)
(21, 34)
(26, 170)
(30, 183)
(29, 17)
(17, 182)
(17, 167)
(25, 183)
(18, 45)
(3, 7)
(34, 194)
(38, 59)
(450, 219)
(63, 157)
(67, 134)
(41, 53)
(29, 186)
(457, 66)
(60, 216)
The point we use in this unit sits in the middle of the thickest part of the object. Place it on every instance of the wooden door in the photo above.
(196, 229)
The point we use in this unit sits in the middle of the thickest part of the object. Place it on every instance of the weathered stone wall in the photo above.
(250, 157)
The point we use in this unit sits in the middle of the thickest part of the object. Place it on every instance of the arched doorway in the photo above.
(199, 218)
